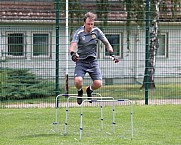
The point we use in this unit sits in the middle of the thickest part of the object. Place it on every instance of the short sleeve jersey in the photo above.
(87, 42)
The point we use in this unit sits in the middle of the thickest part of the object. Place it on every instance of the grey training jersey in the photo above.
(87, 42)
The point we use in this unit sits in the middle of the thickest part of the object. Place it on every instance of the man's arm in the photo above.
(73, 54)
(102, 37)
(73, 46)
(110, 50)
(107, 45)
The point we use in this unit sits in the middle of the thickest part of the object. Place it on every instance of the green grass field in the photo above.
(153, 125)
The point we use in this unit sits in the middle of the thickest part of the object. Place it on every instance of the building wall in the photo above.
(130, 66)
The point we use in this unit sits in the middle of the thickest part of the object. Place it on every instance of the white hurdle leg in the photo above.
(69, 96)
(57, 106)
(81, 113)
(131, 118)
(81, 116)
(101, 118)
(131, 115)
(56, 114)
(66, 113)
(66, 119)
(113, 117)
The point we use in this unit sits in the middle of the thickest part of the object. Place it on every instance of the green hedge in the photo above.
(22, 84)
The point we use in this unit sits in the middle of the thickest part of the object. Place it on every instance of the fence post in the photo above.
(57, 47)
(146, 52)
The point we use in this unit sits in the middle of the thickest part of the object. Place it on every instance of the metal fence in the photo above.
(35, 65)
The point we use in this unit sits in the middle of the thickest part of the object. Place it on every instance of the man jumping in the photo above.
(85, 40)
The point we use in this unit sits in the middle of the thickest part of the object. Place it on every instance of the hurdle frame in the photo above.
(113, 122)
(67, 95)
(57, 105)
(98, 98)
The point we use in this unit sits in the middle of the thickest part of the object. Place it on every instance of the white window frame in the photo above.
(49, 45)
(166, 46)
(24, 45)
(120, 45)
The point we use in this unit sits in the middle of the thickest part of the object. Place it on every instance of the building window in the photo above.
(163, 45)
(16, 44)
(41, 45)
(116, 42)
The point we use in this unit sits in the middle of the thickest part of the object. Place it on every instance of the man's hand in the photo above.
(114, 58)
(75, 56)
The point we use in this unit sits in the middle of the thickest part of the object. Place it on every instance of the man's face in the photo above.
(89, 24)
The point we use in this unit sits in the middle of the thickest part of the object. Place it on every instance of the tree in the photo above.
(76, 12)
(136, 12)
(174, 4)
(154, 45)
(102, 10)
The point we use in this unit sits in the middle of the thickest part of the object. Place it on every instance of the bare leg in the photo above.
(96, 84)
(78, 81)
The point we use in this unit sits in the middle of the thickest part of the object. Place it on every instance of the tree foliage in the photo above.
(22, 84)
(75, 10)
(102, 10)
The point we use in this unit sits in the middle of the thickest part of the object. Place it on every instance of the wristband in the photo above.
(110, 54)
(72, 53)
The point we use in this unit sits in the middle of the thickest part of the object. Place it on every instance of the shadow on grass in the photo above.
(40, 135)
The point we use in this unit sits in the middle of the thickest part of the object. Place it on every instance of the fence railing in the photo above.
(35, 65)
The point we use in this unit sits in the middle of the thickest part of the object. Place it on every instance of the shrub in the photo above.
(22, 84)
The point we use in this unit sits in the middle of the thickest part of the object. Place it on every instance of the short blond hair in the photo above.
(90, 15)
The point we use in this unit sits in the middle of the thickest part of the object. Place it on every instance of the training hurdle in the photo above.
(113, 114)
(96, 98)
(68, 96)
(93, 99)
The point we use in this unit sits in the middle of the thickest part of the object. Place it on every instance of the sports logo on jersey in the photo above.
(83, 38)
(93, 36)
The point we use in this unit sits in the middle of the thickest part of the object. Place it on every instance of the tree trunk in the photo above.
(154, 45)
